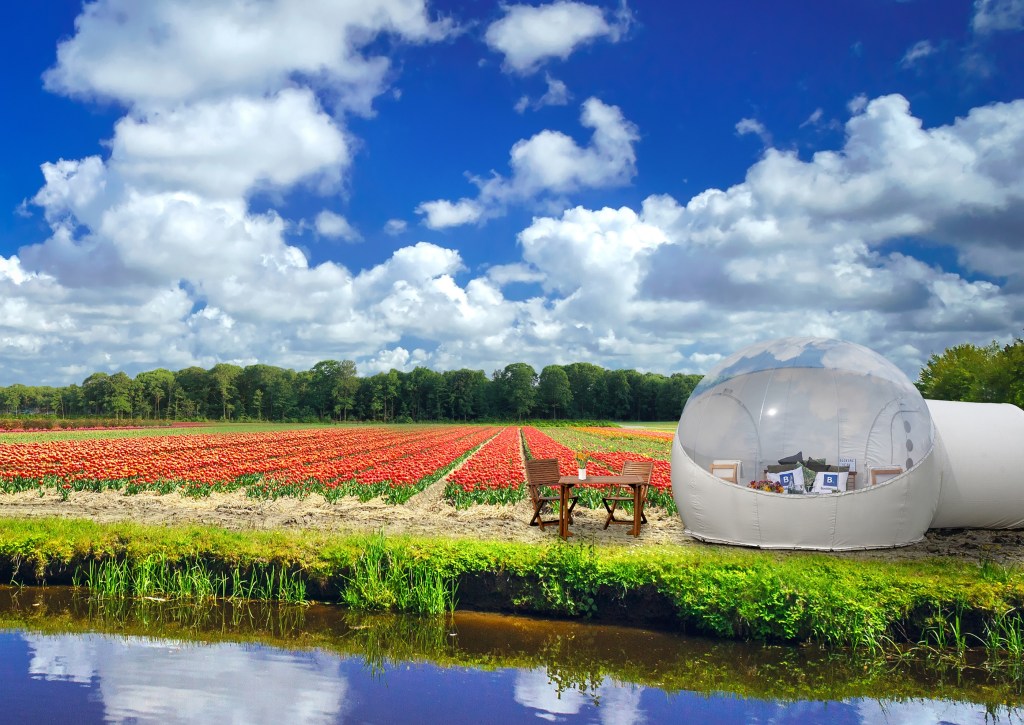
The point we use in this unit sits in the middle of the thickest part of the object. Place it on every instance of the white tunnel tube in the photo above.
(980, 449)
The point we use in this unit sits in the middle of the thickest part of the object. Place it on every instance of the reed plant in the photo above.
(385, 577)
(156, 576)
(1004, 636)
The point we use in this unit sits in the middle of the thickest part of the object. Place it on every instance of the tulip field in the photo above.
(479, 463)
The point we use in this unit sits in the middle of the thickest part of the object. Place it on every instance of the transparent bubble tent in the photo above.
(824, 444)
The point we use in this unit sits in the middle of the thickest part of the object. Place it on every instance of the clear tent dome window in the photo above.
(826, 399)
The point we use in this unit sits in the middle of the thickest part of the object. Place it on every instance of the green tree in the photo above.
(13, 396)
(223, 377)
(122, 393)
(370, 398)
(96, 392)
(282, 393)
(389, 385)
(675, 392)
(553, 389)
(57, 402)
(586, 381)
(618, 400)
(345, 389)
(325, 378)
(156, 386)
(434, 394)
(420, 391)
(517, 388)
(466, 392)
(959, 373)
(1007, 377)
(73, 401)
(191, 390)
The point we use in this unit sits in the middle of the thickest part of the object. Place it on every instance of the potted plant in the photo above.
(582, 457)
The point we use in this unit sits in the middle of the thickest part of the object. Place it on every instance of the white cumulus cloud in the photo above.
(547, 163)
(335, 226)
(440, 214)
(529, 35)
(224, 148)
(164, 52)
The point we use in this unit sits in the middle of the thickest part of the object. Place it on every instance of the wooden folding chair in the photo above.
(611, 503)
(544, 472)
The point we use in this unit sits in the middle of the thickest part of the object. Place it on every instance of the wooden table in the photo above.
(565, 484)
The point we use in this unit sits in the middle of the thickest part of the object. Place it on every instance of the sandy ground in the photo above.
(428, 514)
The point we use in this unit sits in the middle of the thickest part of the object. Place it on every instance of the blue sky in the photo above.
(646, 184)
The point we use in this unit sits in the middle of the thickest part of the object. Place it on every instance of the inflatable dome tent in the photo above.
(847, 450)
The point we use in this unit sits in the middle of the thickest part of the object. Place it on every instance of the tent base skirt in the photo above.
(796, 547)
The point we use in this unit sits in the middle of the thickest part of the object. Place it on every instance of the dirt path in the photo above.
(428, 514)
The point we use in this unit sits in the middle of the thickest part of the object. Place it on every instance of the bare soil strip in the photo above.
(428, 514)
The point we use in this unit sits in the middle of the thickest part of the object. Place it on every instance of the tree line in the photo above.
(333, 390)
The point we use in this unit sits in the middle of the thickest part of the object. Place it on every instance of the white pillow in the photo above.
(789, 479)
(830, 482)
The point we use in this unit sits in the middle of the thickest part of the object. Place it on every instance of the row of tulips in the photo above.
(625, 441)
(493, 475)
(499, 464)
(628, 433)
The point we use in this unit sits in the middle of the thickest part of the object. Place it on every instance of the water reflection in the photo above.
(168, 681)
(614, 704)
(66, 657)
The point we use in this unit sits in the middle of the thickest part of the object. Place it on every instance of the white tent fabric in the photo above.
(824, 399)
(892, 514)
(981, 462)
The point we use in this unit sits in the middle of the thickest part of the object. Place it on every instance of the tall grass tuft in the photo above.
(155, 576)
(387, 577)
(1004, 641)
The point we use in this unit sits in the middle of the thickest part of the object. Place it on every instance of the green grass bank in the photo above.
(737, 594)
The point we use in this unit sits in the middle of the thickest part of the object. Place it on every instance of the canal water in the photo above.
(67, 657)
